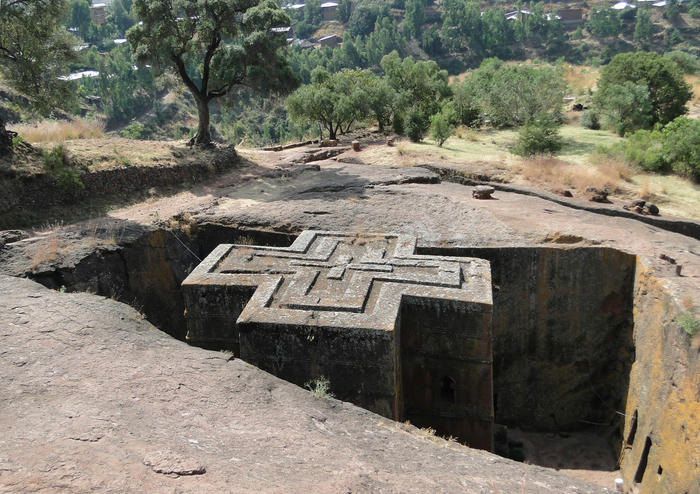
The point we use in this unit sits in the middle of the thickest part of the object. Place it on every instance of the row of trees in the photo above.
(413, 94)
(408, 94)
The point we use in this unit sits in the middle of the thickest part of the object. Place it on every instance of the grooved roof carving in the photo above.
(341, 280)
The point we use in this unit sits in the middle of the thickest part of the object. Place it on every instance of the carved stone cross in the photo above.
(362, 310)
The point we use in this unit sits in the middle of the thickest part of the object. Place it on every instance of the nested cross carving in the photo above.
(338, 279)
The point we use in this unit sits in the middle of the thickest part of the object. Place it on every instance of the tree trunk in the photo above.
(5, 140)
(332, 132)
(203, 132)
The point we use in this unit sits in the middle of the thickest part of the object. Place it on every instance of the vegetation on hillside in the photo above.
(188, 61)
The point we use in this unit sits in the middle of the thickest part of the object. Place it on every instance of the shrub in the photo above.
(541, 136)
(681, 147)
(676, 148)
(688, 322)
(133, 131)
(641, 149)
(416, 124)
(320, 387)
(16, 141)
(590, 120)
(55, 164)
(397, 124)
(441, 128)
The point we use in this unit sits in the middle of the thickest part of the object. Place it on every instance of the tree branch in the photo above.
(207, 62)
(177, 60)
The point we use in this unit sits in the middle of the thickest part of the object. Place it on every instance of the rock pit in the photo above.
(584, 337)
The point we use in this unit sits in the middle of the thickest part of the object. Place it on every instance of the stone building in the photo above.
(407, 336)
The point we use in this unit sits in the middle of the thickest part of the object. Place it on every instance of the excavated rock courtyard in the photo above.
(592, 375)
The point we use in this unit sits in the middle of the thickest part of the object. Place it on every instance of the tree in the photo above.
(79, 16)
(414, 19)
(364, 17)
(440, 128)
(34, 51)
(344, 10)
(381, 100)
(668, 92)
(418, 84)
(644, 29)
(672, 10)
(384, 39)
(214, 45)
(334, 101)
(604, 23)
(121, 14)
(462, 26)
(511, 95)
(626, 106)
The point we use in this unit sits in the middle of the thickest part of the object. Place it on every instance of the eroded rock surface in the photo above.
(95, 398)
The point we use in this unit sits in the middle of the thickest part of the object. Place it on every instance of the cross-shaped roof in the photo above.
(342, 280)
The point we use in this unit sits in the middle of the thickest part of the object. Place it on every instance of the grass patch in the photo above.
(320, 387)
(58, 131)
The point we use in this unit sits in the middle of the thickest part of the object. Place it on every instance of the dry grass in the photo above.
(46, 252)
(466, 133)
(581, 78)
(694, 103)
(57, 131)
(556, 173)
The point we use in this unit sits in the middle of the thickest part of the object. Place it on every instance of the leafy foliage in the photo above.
(441, 128)
(55, 164)
(335, 101)
(626, 106)
(509, 95)
(604, 23)
(644, 29)
(35, 49)
(675, 148)
(681, 147)
(420, 88)
(539, 136)
(590, 119)
(667, 91)
(214, 46)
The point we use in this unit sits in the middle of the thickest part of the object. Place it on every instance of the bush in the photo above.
(441, 128)
(590, 120)
(55, 164)
(540, 136)
(134, 131)
(397, 124)
(675, 149)
(681, 147)
(687, 62)
(416, 124)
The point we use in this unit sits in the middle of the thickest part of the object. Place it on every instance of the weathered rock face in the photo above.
(661, 451)
(329, 306)
(562, 334)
